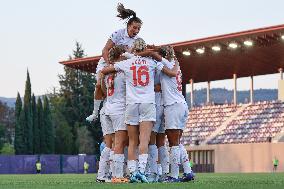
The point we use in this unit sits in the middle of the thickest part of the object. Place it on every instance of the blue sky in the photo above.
(37, 34)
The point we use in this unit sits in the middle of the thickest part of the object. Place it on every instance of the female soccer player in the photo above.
(125, 37)
(114, 110)
(176, 112)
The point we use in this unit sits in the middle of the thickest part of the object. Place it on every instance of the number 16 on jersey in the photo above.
(140, 76)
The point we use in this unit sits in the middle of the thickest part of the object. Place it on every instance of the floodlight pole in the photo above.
(191, 92)
(251, 89)
(235, 88)
(208, 92)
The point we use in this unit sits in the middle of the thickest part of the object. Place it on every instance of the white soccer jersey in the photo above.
(116, 91)
(121, 37)
(139, 74)
(171, 86)
(158, 95)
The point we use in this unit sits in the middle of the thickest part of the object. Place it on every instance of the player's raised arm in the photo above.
(114, 55)
(109, 44)
(171, 72)
(109, 69)
(150, 53)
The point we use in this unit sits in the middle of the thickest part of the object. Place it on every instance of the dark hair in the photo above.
(163, 51)
(167, 52)
(128, 14)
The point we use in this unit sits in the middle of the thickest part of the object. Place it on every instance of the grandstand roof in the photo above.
(265, 56)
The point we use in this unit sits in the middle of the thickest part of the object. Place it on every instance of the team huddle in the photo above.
(143, 105)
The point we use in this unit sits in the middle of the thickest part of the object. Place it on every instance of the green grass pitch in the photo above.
(203, 181)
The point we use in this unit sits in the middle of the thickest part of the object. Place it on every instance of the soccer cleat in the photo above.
(103, 179)
(119, 180)
(100, 180)
(162, 177)
(142, 177)
(187, 177)
(132, 178)
(171, 179)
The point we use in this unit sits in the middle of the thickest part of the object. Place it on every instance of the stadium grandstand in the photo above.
(229, 137)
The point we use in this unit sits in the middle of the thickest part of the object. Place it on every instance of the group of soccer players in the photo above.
(143, 105)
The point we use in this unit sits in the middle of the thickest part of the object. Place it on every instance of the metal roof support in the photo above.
(208, 92)
(251, 89)
(191, 93)
(235, 88)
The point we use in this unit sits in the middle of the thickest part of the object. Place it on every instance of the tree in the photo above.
(28, 119)
(36, 131)
(63, 133)
(19, 141)
(7, 149)
(2, 135)
(41, 128)
(85, 141)
(64, 136)
(7, 118)
(48, 127)
(76, 89)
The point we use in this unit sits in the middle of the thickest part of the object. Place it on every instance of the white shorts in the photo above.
(176, 116)
(159, 126)
(106, 128)
(136, 113)
(116, 121)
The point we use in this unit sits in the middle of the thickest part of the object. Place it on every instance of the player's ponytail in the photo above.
(128, 14)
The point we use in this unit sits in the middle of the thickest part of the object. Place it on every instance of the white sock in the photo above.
(153, 158)
(118, 165)
(104, 163)
(159, 169)
(184, 159)
(132, 165)
(111, 162)
(174, 161)
(164, 159)
(142, 162)
(97, 104)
